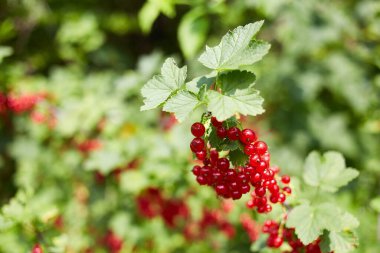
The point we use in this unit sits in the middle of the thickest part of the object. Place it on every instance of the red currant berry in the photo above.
(233, 133)
(245, 188)
(273, 198)
(249, 149)
(37, 249)
(268, 208)
(202, 180)
(217, 176)
(254, 160)
(230, 175)
(198, 129)
(234, 186)
(221, 189)
(236, 194)
(249, 170)
(260, 191)
(197, 170)
(221, 132)
(261, 209)
(260, 147)
(250, 204)
(214, 155)
(273, 188)
(277, 242)
(255, 178)
(223, 164)
(197, 144)
(242, 178)
(201, 155)
(287, 189)
(215, 122)
(285, 179)
(248, 136)
(281, 197)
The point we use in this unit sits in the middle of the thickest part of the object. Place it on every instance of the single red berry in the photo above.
(201, 155)
(260, 191)
(236, 194)
(261, 209)
(247, 136)
(256, 177)
(281, 197)
(249, 149)
(261, 147)
(221, 132)
(197, 170)
(221, 189)
(223, 164)
(254, 160)
(230, 176)
(285, 179)
(214, 155)
(250, 204)
(215, 122)
(276, 242)
(245, 188)
(287, 189)
(37, 249)
(198, 129)
(242, 178)
(261, 167)
(202, 180)
(233, 133)
(234, 186)
(197, 144)
(273, 188)
(249, 170)
(217, 176)
(274, 198)
(268, 208)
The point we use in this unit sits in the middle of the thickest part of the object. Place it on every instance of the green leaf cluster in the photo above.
(232, 89)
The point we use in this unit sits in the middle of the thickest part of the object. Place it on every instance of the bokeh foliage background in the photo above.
(320, 81)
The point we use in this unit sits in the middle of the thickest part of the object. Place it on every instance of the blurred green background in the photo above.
(75, 166)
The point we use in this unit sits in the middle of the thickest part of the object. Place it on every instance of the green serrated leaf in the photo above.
(197, 83)
(181, 104)
(245, 102)
(343, 242)
(238, 157)
(234, 80)
(350, 221)
(214, 140)
(192, 32)
(309, 221)
(236, 49)
(328, 172)
(157, 90)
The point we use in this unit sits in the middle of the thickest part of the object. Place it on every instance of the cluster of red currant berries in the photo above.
(276, 238)
(234, 182)
(19, 104)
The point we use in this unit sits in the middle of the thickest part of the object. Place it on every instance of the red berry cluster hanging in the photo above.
(233, 182)
(278, 234)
